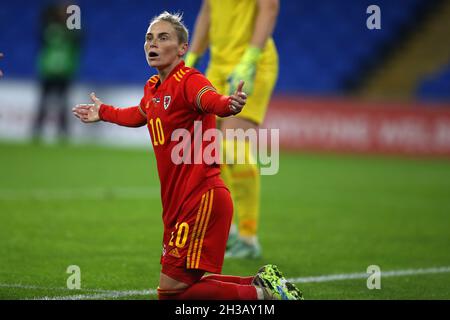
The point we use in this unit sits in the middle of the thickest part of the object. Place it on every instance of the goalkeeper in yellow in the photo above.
(239, 35)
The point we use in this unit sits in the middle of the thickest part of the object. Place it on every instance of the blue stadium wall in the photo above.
(324, 46)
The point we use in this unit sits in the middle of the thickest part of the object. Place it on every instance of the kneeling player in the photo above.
(197, 207)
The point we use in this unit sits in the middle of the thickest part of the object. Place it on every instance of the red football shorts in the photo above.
(197, 242)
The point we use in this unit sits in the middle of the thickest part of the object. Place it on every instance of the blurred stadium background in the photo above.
(364, 119)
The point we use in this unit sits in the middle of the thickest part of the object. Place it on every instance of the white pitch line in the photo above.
(32, 287)
(77, 193)
(113, 294)
(98, 293)
(349, 276)
(104, 294)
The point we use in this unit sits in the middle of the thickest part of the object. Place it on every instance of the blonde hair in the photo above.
(175, 19)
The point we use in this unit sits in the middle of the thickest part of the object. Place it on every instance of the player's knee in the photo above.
(166, 294)
(169, 283)
(169, 288)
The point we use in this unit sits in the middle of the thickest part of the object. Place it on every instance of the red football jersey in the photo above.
(184, 97)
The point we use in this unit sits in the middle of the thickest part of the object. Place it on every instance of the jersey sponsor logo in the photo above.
(167, 101)
(156, 100)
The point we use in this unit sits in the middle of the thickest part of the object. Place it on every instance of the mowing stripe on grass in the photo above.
(80, 193)
(104, 294)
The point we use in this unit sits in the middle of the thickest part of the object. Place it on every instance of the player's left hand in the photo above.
(238, 99)
(192, 59)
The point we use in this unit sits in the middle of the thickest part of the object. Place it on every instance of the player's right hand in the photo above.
(88, 112)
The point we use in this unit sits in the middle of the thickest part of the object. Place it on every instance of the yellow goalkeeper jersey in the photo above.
(231, 30)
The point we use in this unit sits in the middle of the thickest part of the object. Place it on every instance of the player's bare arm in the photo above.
(200, 39)
(265, 22)
(264, 25)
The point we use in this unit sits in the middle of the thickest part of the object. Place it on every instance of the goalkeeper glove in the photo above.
(191, 60)
(245, 70)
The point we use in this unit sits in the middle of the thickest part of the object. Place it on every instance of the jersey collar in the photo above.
(155, 81)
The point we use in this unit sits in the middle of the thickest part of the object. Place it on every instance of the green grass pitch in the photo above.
(99, 208)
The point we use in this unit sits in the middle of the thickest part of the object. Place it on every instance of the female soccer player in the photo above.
(197, 207)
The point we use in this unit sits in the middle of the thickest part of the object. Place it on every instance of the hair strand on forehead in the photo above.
(176, 20)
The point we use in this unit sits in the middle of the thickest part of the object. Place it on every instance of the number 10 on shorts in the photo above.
(182, 231)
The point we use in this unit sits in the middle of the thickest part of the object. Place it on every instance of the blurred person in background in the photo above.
(58, 61)
(239, 34)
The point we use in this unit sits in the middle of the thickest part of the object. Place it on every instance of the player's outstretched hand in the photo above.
(238, 99)
(88, 112)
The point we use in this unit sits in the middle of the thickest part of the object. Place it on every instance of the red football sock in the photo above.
(211, 290)
(226, 278)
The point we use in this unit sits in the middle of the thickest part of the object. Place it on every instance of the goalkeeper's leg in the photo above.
(244, 183)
